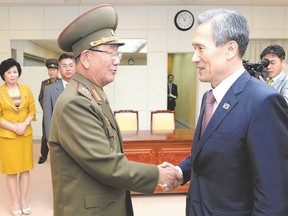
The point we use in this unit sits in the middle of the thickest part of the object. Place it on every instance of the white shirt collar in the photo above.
(220, 91)
(64, 83)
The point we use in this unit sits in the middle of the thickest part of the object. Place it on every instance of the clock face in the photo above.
(131, 61)
(184, 20)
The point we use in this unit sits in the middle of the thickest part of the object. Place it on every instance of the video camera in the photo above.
(256, 69)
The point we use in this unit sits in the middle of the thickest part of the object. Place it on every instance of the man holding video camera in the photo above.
(277, 78)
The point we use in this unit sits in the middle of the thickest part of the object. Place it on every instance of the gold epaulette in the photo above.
(96, 96)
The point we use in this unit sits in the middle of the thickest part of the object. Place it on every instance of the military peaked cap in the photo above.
(52, 63)
(93, 28)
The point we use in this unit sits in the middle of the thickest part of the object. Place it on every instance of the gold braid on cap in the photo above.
(102, 41)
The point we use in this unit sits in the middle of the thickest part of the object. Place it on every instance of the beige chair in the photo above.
(163, 120)
(127, 120)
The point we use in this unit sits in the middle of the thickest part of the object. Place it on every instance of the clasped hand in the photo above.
(169, 177)
(20, 128)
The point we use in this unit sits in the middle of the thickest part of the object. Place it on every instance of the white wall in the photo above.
(136, 87)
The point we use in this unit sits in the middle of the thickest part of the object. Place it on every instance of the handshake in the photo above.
(169, 177)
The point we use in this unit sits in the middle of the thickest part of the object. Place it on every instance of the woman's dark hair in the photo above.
(7, 64)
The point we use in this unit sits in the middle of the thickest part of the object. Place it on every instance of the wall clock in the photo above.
(131, 61)
(184, 20)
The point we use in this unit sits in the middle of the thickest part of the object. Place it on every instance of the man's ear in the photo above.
(84, 59)
(283, 63)
(232, 49)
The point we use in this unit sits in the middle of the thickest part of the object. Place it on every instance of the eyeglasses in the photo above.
(113, 55)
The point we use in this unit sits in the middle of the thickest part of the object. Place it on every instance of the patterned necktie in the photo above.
(270, 81)
(208, 110)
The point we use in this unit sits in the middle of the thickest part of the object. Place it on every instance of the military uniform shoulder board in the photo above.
(82, 90)
(46, 81)
(96, 96)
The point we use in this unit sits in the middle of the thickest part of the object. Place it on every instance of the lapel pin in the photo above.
(226, 106)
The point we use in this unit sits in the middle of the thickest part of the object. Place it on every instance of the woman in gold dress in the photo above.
(17, 110)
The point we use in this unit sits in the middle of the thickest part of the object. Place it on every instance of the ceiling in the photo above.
(142, 2)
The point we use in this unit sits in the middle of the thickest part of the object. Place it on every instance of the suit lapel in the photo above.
(8, 99)
(24, 96)
(59, 87)
(217, 118)
(228, 103)
(197, 134)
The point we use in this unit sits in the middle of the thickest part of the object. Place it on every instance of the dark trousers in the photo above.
(171, 103)
(44, 146)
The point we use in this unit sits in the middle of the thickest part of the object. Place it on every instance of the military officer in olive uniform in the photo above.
(90, 173)
(52, 67)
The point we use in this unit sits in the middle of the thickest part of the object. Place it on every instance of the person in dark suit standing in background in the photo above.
(172, 93)
(52, 67)
(67, 69)
(238, 162)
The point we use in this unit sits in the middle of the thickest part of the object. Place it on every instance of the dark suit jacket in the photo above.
(171, 101)
(51, 94)
(90, 173)
(240, 164)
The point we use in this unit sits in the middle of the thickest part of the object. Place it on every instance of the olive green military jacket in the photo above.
(90, 173)
(44, 83)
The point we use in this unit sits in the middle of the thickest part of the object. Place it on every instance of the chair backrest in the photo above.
(163, 120)
(127, 120)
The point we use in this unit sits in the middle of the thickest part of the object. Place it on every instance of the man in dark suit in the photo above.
(239, 162)
(67, 69)
(90, 173)
(172, 93)
(52, 67)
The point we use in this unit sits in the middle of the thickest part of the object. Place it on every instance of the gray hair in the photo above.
(227, 25)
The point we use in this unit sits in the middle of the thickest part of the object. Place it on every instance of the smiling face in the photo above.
(11, 76)
(102, 62)
(208, 58)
